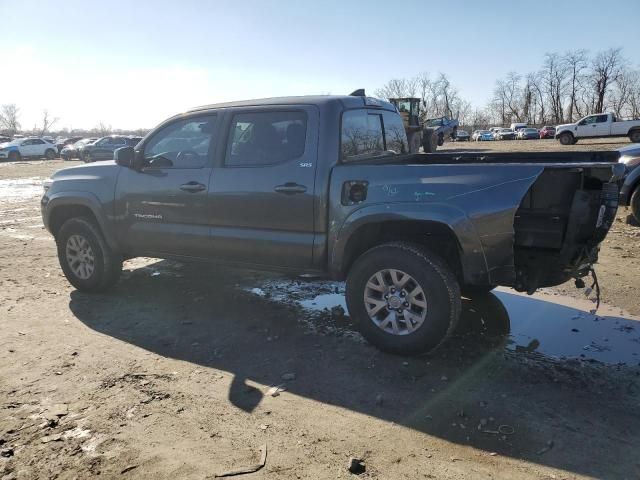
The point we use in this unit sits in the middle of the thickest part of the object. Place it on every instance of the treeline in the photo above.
(566, 88)
(10, 125)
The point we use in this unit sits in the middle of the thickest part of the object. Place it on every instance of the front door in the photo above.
(162, 209)
(28, 148)
(262, 191)
(587, 127)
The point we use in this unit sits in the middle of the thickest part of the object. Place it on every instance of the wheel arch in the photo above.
(60, 208)
(443, 229)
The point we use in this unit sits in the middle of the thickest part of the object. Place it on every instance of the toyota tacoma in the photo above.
(326, 185)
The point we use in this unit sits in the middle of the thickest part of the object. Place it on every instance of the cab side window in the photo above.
(185, 143)
(266, 138)
(361, 134)
(371, 132)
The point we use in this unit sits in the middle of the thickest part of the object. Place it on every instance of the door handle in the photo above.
(193, 187)
(290, 188)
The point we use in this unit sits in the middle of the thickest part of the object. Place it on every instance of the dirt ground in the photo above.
(186, 371)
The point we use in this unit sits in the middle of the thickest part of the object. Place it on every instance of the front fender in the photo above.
(50, 203)
(471, 252)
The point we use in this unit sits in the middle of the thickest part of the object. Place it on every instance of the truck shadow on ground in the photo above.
(477, 390)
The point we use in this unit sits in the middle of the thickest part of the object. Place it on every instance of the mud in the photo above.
(173, 374)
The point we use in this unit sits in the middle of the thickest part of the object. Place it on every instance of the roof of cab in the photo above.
(346, 100)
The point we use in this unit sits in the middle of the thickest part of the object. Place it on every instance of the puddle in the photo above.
(326, 301)
(562, 327)
(552, 325)
(21, 188)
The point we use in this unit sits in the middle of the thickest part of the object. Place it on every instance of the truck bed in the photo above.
(499, 157)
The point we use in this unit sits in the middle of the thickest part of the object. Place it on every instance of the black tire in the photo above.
(634, 136)
(566, 139)
(86, 158)
(107, 265)
(14, 157)
(635, 204)
(50, 154)
(428, 143)
(440, 140)
(474, 291)
(430, 272)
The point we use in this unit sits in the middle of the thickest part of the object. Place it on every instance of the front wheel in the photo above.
(403, 298)
(635, 136)
(14, 156)
(428, 142)
(87, 261)
(565, 139)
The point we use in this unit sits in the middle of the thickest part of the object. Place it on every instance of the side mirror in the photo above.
(125, 157)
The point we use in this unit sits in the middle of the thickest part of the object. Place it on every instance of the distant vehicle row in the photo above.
(86, 149)
(499, 133)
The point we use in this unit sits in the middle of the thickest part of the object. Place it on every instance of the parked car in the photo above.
(63, 142)
(483, 136)
(69, 152)
(4, 139)
(630, 191)
(547, 132)
(295, 184)
(505, 134)
(31, 147)
(598, 126)
(528, 134)
(462, 136)
(103, 148)
(518, 126)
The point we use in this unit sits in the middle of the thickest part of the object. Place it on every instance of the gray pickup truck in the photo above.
(325, 185)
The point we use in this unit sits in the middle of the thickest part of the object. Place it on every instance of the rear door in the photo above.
(39, 147)
(603, 126)
(261, 200)
(163, 207)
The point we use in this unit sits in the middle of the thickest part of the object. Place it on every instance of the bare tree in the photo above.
(576, 63)
(102, 129)
(47, 122)
(554, 76)
(606, 67)
(398, 88)
(9, 118)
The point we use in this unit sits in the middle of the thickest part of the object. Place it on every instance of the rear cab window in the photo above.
(369, 132)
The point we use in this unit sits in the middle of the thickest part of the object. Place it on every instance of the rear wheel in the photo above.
(566, 139)
(634, 136)
(87, 261)
(403, 298)
(87, 158)
(50, 154)
(635, 204)
(440, 140)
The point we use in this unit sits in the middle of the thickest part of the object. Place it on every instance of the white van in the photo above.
(518, 126)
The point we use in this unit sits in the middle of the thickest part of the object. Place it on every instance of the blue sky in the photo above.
(132, 64)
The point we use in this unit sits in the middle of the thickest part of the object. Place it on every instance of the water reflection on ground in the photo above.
(552, 325)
